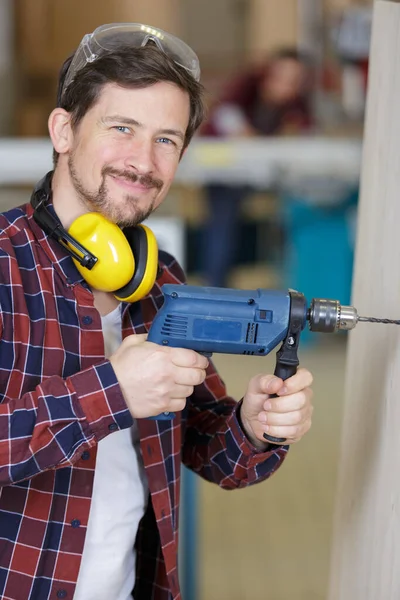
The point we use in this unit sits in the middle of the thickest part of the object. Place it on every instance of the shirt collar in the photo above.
(55, 251)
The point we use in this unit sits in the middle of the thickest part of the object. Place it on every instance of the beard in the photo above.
(128, 213)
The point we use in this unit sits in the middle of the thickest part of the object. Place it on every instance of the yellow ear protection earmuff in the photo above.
(124, 262)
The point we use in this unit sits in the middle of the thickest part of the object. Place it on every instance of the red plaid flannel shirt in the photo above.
(60, 397)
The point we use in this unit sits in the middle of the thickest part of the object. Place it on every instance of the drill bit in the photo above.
(374, 320)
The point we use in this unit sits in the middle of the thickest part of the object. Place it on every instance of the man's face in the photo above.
(127, 148)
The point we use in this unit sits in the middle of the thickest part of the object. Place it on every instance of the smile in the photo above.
(133, 186)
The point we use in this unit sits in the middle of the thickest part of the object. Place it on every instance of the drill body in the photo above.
(221, 320)
(249, 322)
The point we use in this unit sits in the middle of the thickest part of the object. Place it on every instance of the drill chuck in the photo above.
(329, 316)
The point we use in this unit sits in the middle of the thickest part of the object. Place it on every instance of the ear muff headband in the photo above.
(54, 229)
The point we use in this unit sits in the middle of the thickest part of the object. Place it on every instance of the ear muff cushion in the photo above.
(144, 248)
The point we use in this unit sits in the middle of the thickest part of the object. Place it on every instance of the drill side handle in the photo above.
(284, 371)
(287, 359)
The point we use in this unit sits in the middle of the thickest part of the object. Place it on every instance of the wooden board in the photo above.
(366, 549)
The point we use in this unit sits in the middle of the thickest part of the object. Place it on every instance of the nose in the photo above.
(140, 156)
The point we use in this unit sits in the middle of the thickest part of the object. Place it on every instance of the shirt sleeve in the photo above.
(215, 445)
(51, 426)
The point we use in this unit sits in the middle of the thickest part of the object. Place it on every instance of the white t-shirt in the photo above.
(119, 501)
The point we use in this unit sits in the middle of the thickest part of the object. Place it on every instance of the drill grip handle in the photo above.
(284, 371)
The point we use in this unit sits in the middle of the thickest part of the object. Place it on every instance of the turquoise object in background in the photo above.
(319, 247)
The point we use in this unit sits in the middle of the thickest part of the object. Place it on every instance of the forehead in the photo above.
(151, 105)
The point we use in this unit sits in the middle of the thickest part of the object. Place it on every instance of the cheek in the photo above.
(97, 152)
(167, 164)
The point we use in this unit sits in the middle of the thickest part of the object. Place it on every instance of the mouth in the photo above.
(131, 185)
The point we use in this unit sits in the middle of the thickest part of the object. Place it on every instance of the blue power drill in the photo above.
(250, 322)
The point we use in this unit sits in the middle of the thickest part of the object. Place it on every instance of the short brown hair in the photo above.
(131, 68)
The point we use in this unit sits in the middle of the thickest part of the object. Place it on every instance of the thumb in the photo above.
(136, 339)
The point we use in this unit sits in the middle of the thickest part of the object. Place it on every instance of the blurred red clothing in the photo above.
(265, 118)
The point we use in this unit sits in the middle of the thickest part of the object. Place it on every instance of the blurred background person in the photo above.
(265, 100)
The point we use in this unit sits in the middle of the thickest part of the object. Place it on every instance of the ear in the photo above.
(60, 131)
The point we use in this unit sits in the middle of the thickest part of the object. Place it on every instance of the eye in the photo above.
(165, 140)
(122, 128)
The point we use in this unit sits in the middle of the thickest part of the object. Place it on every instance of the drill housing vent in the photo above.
(252, 331)
(175, 326)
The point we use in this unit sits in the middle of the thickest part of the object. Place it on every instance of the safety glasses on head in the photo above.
(115, 35)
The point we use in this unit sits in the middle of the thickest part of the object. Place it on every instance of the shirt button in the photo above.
(87, 320)
(113, 427)
(85, 455)
(61, 594)
(75, 523)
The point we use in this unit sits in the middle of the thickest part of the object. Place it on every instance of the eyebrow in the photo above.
(129, 121)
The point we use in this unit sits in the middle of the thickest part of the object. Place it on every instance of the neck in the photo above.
(105, 302)
(66, 201)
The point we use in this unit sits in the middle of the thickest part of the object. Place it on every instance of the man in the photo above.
(90, 483)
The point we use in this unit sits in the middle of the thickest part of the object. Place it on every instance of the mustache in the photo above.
(144, 179)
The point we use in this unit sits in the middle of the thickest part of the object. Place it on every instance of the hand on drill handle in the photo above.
(287, 416)
(154, 378)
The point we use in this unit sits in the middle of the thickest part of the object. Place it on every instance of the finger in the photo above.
(287, 404)
(265, 384)
(181, 392)
(186, 376)
(176, 404)
(182, 357)
(297, 382)
(293, 432)
(296, 417)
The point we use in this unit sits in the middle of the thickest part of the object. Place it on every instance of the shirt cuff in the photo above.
(247, 445)
(100, 398)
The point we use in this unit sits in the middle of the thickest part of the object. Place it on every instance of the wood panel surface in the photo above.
(366, 549)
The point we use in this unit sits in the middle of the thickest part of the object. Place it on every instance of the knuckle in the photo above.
(302, 399)
(194, 357)
(297, 417)
(200, 376)
(204, 362)
(298, 432)
(179, 404)
(163, 391)
(185, 391)
(276, 431)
